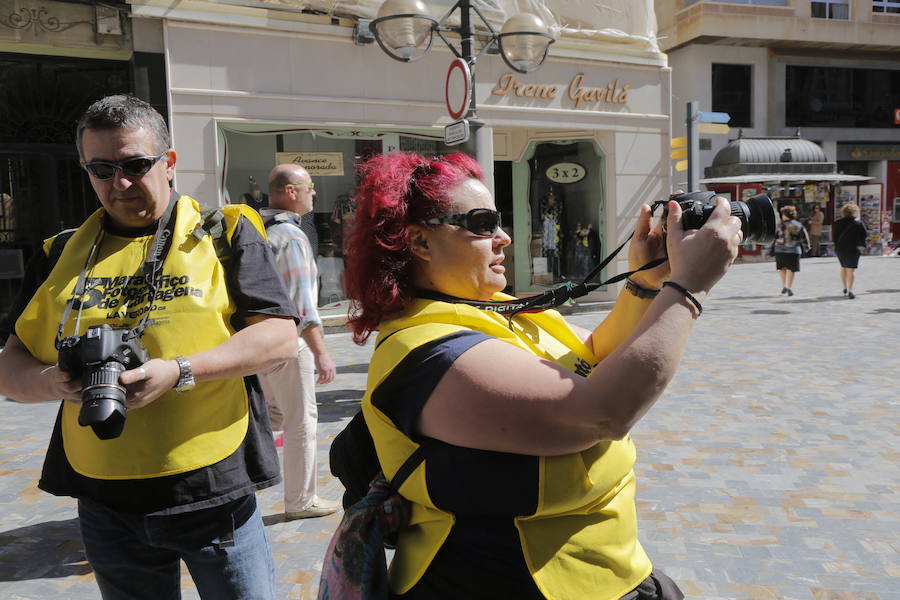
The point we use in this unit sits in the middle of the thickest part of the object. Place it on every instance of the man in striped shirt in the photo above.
(290, 387)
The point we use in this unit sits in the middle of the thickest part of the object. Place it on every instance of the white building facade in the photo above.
(578, 144)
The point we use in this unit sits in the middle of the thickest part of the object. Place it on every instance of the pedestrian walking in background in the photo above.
(290, 387)
(849, 242)
(815, 230)
(791, 241)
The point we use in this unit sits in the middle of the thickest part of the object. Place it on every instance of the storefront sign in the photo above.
(868, 152)
(566, 172)
(581, 94)
(318, 164)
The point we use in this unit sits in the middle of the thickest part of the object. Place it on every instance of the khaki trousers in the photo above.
(290, 393)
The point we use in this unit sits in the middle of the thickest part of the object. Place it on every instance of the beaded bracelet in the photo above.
(687, 295)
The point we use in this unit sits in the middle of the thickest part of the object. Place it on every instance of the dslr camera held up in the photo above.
(757, 214)
(98, 357)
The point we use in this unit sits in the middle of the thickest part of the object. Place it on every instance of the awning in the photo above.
(792, 177)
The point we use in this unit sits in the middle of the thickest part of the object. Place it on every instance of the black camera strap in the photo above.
(152, 266)
(156, 256)
(551, 298)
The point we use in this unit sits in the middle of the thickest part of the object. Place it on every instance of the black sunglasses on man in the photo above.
(138, 166)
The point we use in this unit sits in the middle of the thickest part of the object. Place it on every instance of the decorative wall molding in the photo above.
(38, 20)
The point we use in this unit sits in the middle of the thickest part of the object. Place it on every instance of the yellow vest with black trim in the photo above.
(581, 542)
(175, 433)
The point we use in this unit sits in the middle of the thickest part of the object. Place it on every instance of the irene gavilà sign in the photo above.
(578, 91)
(317, 164)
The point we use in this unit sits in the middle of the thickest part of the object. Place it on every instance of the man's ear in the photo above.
(170, 163)
(418, 242)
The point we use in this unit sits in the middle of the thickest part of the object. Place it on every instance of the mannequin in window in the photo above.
(551, 213)
(255, 198)
(342, 217)
(583, 252)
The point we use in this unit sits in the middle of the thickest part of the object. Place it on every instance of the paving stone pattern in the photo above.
(768, 470)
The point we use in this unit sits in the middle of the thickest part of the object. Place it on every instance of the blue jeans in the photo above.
(136, 556)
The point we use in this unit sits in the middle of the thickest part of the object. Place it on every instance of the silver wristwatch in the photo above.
(185, 381)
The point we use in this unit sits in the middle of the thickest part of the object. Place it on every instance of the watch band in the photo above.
(640, 291)
(185, 381)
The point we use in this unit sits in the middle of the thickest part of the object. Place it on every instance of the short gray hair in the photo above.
(124, 112)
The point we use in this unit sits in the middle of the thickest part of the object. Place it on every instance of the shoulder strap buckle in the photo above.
(211, 223)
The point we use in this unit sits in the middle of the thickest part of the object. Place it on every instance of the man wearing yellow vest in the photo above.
(151, 332)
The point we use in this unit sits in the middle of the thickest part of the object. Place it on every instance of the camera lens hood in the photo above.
(761, 220)
(105, 415)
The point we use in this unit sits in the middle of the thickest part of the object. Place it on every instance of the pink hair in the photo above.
(396, 190)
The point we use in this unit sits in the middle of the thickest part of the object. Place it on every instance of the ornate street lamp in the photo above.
(405, 31)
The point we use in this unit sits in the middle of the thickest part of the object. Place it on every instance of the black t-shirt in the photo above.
(482, 557)
(256, 289)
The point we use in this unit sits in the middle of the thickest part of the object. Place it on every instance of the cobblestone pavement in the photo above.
(768, 470)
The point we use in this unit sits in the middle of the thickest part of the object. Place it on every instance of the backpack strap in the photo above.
(212, 223)
(57, 246)
(407, 468)
(220, 222)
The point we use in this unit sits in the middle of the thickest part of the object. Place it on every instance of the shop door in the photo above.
(42, 191)
(42, 187)
(559, 213)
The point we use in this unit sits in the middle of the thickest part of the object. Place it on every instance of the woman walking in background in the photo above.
(849, 240)
(790, 242)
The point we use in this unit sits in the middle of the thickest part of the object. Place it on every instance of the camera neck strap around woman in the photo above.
(150, 269)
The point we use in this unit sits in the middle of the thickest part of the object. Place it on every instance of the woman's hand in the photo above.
(149, 381)
(647, 244)
(700, 257)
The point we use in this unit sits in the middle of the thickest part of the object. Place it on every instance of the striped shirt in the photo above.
(296, 263)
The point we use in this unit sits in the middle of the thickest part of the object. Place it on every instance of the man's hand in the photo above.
(326, 368)
(60, 384)
(148, 382)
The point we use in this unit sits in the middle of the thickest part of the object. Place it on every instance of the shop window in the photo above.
(732, 92)
(331, 156)
(840, 97)
(830, 9)
(886, 6)
(565, 193)
(755, 2)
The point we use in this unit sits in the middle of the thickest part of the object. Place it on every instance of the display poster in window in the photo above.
(870, 214)
(846, 194)
(318, 164)
(809, 192)
(887, 236)
(896, 210)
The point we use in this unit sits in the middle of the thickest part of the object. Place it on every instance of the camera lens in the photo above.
(103, 400)
(759, 224)
(757, 214)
